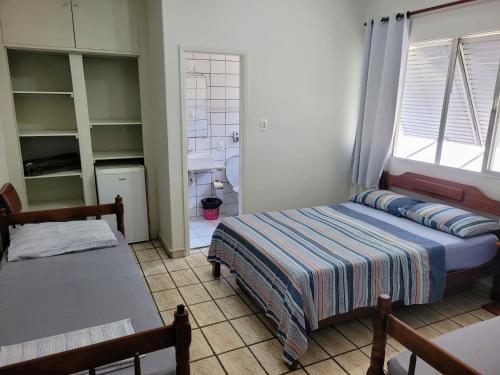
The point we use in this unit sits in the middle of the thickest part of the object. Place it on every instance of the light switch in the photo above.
(263, 125)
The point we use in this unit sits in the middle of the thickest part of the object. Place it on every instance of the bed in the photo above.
(317, 266)
(48, 296)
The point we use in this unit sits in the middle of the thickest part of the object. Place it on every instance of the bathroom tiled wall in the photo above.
(222, 100)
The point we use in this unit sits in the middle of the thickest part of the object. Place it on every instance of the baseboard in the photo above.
(179, 253)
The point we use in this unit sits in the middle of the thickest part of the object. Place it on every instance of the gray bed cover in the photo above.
(48, 296)
(477, 345)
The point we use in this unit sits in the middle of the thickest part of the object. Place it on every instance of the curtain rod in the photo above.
(426, 10)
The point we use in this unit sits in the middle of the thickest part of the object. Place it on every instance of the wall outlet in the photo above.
(263, 125)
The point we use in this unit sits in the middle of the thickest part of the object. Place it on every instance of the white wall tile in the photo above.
(192, 202)
(203, 190)
(232, 67)
(217, 66)
(232, 93)
(218, 142)
(217, 79)
(189, 55)
(232, 80)
(217, 105)
(201, 56)
(218, 93)
(230, 152)
(190, 94)
(230, 129)
(217, 56)
(201, 94)
(202, 66)
(232, 105)
(218, 155)
(217, 118)
(217, 130)
(230, 143)
(232, 57)
(232, 118)
(204, 178)
(202, 144)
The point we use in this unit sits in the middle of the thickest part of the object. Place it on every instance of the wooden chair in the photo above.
(384, 323)
(10, 199)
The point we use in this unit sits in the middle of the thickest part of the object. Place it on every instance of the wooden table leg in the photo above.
(216, 269)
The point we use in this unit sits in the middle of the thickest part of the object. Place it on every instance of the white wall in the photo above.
(4, 171)
(303, 69)
(479, 17)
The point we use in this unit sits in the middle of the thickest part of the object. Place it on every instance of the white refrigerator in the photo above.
(128, 181)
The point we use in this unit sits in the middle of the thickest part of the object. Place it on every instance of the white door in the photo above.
(37, 22)
(106, 25)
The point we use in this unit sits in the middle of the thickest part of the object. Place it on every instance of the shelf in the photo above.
(118, 154)
(48, 133)
(114, 122)
(18, 92)
(50, 205)
(76, 172)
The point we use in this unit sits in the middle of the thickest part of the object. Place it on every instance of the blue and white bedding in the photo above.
(306, 265)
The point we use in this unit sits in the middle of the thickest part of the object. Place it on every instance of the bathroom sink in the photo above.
(199, 162)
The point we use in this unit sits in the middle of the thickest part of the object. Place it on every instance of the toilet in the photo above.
(233, 172)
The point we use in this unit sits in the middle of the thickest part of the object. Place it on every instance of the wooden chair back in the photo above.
(10, 199)
(384, 323)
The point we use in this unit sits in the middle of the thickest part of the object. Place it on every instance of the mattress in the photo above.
(460, 253)
(484, 358)
(47, 296)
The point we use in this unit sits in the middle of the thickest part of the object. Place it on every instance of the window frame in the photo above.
(456, 65)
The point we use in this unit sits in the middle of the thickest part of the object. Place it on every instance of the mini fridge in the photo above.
(128, 181)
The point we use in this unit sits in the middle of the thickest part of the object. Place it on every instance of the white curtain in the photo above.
(385, 47)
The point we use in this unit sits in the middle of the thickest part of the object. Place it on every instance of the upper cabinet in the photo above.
(37, 22)
(106, 25)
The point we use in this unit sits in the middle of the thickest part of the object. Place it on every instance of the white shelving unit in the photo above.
(75, 172)
(115, 122)
(18, 92)
(48, 133)
(117, 155)
(50, 205)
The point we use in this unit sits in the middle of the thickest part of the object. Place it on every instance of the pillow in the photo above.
(385, 200)
(48, 239)
(449, 219)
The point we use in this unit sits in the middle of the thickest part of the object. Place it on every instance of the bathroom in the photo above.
(212, 113)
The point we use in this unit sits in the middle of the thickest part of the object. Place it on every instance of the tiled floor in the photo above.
(232, 336)
(200, 231)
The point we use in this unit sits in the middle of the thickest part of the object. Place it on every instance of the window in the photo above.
(448, 104)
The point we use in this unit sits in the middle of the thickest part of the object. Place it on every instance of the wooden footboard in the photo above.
(384, 323)
(177, 335)
(62, 214)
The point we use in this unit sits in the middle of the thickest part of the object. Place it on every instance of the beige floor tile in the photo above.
(269, 354)
(167, 299)
(197, 260)
(329, 367)
(251, 329)
(175, 264)
(207, 313)
(184, 277)
(332, 341)
(224, 271)
(153, 268)
(355, 362)
(193, 294)
(447, 309)
(204, 273)
(396, 345)
(222, 337)
(147, 255)
(207, 366)
(159, 282)
(389, 353)
(445, 326)
(199, 346)
(142, 245)
(313, 354)
(428, 332)
(162, 252)
(462, 301)
(253, 306)
(156, 243)
(168, 317)
(408, 318)
(425, 314)
(482, 314)
(356, 332)
(465, 319)
(219, 288)
(242, 362)
(232, 281)
(233, 307)
(298, 372)
(367, 322)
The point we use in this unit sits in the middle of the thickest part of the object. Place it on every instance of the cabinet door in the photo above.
(106, 25)
(37, 22)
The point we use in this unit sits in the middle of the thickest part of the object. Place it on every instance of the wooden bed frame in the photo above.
(455, 193)
(177, 335)
(384, 323)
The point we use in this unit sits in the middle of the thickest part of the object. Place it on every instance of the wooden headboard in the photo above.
(453, 192)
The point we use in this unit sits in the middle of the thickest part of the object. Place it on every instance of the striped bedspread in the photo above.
(306, 265)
